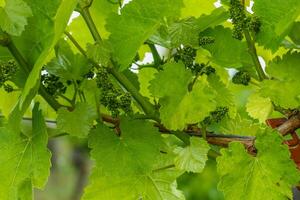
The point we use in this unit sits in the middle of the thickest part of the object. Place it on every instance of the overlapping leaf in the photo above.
(139, 18)
(186, 31)
(263, 176)
(283, 90)
(67, 65)
(193, 157)
(277, 18)
(227, 51)
(14, 16)
(179, 106)
(127, 166)
(77, 122)
(24, 158)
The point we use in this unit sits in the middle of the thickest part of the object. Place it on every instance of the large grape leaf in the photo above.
(179, 106)
(196, 8)
(259, 107)
(286, 67)
(66, 64)
(186, 31)
(14, 16)
(227, 51)
(138, 21)
(277, 18)
(282, 93)
(127, 166)
(24, 157)
(263, 176)
(77, 122)
(282, 89)
(193, 157)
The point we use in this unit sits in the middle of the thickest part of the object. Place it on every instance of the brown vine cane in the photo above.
(293, 144)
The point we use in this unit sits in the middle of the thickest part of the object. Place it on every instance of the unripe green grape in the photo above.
(7, 71)
(53, 85)
(112, 98)
(216, 115)
(242, 78)
(205, 40)
(254, 24)
(187, 55)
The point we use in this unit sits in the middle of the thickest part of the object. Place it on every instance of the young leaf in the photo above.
(186, 31)
(227, 51)
(77, 122)
(263, 176)
(196, 8)
(277, 18)
(14, 16)
(132, 157)
(179, 106)
(193, 157)
(259, 108)
(140, 18)
(67, 65)
(99, 52)
(24, 157)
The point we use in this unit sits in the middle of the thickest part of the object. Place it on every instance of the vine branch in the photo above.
(121, 78)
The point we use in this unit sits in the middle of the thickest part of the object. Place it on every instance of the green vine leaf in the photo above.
(193, 157)
(14, 16)
(180, 107)
(276, 20)
(263, 176)
(227, 51)
(186, 31)
(24, 157)
(259, 107)
(130, 158)
(141, 19)
(77, 122)
(66, 64)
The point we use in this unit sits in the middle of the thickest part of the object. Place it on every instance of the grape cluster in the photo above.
(242, 78)
(53, 85)
(187, 55)
(112, 98)
(7, 71)
(216, 115)
(205, 40)
(241, 21)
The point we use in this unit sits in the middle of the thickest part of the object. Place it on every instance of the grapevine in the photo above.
(142, 99)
